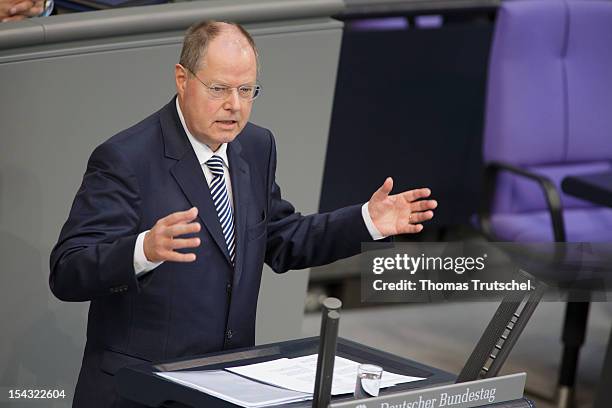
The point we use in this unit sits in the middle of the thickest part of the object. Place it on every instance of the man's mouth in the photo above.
(229, 125)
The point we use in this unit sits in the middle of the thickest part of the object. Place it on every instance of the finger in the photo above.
(180, 216)
(384, 190)
(34, 11)
(182, 229)
(13, 18)
(179, 257)
(21, 7)
(417, 217)
(185, 243)
(423, 205)
(407, 228)
(416, 194)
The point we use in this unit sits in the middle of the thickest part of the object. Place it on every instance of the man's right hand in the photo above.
(161, 241)
(14, 10)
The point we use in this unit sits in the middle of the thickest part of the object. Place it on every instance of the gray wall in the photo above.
(59, 100)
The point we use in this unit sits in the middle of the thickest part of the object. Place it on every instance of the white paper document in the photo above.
(298, 374)
(234, 388)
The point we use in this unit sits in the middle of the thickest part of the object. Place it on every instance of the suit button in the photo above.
(228, 287)
(229, 334)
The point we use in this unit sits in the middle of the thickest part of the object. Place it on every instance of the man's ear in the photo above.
(180, 77)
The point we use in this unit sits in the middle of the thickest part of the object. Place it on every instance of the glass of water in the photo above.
(368, 380)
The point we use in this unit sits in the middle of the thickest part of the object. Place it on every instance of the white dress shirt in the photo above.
(203, 153)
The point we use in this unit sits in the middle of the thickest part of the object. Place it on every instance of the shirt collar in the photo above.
(202, 151)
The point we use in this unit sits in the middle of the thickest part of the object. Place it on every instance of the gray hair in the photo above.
(198, 37)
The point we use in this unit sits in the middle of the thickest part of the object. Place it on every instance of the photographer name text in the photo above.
(429, 285)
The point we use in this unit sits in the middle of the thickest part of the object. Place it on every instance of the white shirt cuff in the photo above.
(141, 264)
(374, 232)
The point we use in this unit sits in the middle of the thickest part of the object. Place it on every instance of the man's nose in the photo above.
(232, 101)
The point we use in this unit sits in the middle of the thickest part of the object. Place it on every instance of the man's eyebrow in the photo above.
(221, 83)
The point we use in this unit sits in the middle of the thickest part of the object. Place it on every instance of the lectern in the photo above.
(140, 383)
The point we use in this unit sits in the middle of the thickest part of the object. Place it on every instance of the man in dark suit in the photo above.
(161, 284)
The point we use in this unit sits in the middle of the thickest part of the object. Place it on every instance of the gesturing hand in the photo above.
(160, 242)
(400, 213)
(14, 10)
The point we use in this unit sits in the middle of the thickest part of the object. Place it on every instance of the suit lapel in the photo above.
(187, 172)
(240, 176)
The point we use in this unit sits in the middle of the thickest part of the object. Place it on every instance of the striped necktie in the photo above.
(218, 191)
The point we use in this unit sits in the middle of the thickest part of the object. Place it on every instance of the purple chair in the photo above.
(549, 115)
(379, 24)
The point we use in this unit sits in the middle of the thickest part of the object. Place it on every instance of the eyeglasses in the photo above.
(217, 91)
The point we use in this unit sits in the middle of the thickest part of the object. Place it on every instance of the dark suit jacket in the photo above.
(141, 175)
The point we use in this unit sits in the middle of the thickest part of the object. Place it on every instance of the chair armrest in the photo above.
(553, 199)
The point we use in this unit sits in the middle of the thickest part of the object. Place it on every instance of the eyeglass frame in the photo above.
(256, 89)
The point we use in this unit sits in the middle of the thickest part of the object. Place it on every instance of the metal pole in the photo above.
(330, 319)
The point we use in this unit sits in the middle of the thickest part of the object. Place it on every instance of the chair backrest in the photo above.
(549, 95)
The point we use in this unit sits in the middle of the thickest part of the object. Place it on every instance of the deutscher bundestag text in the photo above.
(483, 395)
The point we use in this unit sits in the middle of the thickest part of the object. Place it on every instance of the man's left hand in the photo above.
(400, 213)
